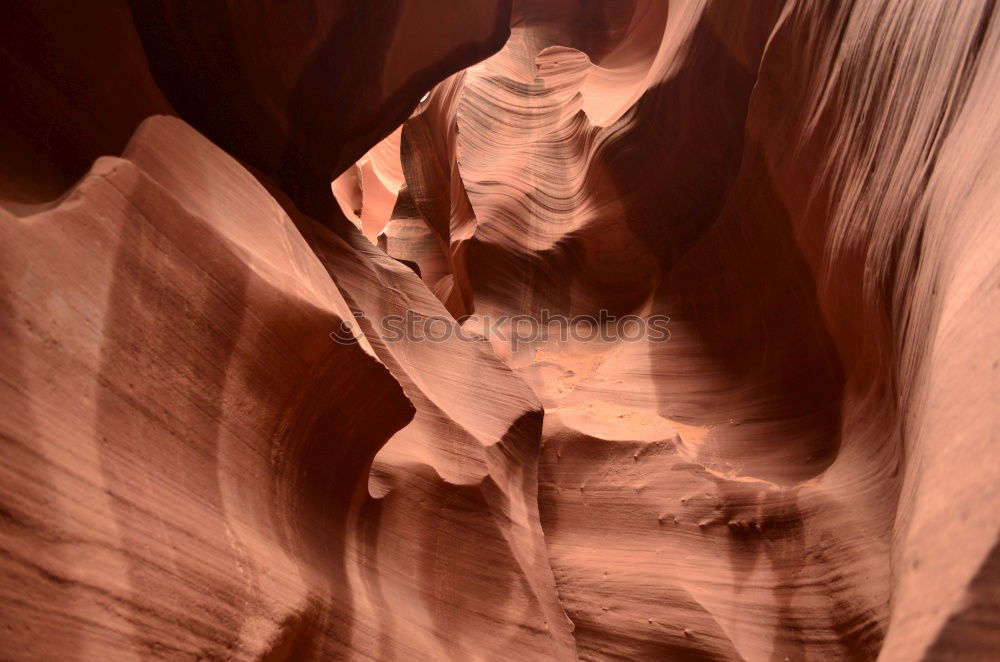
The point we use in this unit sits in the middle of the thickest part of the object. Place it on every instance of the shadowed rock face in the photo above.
(211, 448)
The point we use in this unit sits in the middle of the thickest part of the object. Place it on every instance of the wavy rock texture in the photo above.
(201, 431)
(301, 92)
(785, 186)
(211, 449)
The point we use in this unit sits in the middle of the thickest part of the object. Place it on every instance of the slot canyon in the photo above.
(499, 330)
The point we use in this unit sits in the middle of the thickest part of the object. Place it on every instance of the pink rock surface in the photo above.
(212, 449)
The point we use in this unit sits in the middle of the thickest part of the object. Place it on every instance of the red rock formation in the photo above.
(302, 92)
(213, 447)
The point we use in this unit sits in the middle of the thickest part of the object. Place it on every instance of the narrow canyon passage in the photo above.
(499, 330)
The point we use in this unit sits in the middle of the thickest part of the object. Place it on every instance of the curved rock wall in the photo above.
(213, 449)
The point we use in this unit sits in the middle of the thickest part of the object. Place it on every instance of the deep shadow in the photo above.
(330, 115)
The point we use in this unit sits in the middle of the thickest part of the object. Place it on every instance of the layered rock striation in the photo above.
(213, 447)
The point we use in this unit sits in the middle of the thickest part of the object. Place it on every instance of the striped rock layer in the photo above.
(211, 449)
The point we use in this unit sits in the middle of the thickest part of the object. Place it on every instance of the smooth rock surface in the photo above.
(215, 445)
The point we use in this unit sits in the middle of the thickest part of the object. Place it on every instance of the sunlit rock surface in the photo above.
(212, 449)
